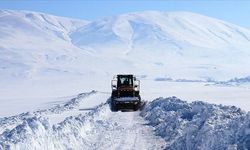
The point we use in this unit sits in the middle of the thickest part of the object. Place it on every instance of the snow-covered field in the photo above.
(32, 96)
(46, 61)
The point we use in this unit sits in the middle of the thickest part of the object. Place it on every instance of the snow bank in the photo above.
(37, 133)
(8, 123)
(198, 125)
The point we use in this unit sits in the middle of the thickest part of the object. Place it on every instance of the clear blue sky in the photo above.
(237, 12)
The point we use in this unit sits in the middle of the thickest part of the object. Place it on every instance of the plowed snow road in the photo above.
(84, 122)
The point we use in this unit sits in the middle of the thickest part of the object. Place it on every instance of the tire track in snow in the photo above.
(122, 130)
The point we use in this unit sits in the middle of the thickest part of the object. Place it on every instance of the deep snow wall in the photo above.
(198, 125)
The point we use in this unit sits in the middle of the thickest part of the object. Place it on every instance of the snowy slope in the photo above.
(173, 30)
(151, 43)
(35, 44)
(169, 42)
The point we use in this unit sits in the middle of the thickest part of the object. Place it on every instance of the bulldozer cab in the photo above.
(124, 80)
(128, 81)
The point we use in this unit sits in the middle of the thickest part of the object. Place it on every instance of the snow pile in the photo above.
(198, 125)
(34, 130)
(37, 133)
(7, 123)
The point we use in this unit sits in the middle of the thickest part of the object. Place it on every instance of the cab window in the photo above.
(125, 81)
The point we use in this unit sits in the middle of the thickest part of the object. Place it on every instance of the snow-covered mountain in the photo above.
(35, 43)
(176, 44)
(169, 30)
